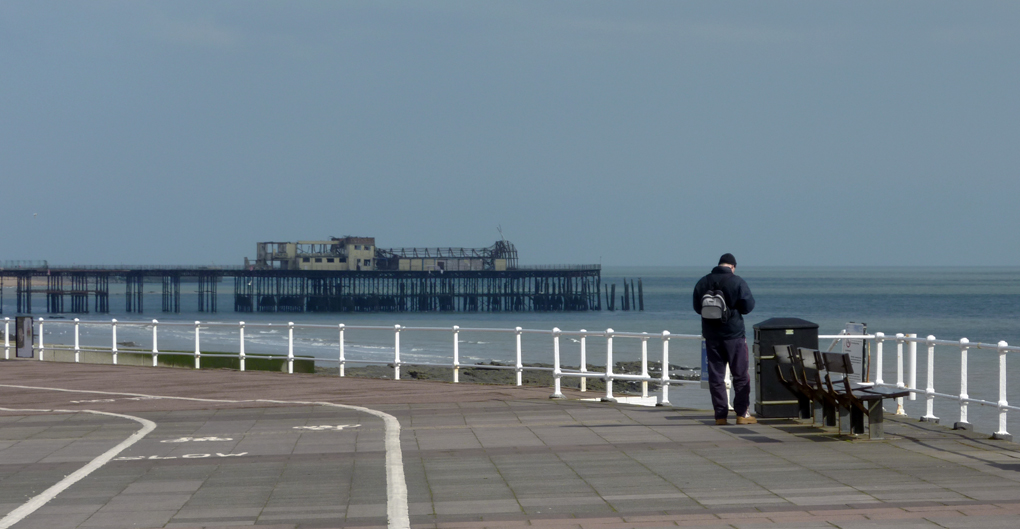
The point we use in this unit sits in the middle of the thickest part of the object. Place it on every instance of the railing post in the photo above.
(7, 338)
(113, 329)
(198, 351)
(290, 348)
(644, 365)
(240, 353)
(557, 372)
(609, 367)
(343, 358)
(912, 348)
(1002, 433)
(396, 352)
(929, 390)
(879, 338)
(456, 354)
(42, 346)
(963, 423)
(899, 372)
(155, 349)
(519, 365)
(584, 361)
(77, 347)
(664, 390)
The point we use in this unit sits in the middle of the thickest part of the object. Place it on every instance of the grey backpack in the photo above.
(713, 306)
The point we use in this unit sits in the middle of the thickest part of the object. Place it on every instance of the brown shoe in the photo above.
(722, 422)
(747, 419)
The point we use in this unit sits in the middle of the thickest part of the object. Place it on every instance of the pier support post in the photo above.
(172, 293)
(24, 293)
(207, 292)
(134, 290)
(79, 293)
(102, 295)
(55, 293)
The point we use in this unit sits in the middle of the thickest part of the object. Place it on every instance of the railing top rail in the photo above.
(583, 333)
(919, 339)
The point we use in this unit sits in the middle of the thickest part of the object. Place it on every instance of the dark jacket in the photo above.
(738, 299)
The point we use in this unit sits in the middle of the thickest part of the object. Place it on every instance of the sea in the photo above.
(979, 303)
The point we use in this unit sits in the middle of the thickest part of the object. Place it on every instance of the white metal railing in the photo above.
(341, 360)
(906, 376)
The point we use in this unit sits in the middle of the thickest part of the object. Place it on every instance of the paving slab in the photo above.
(473, 456)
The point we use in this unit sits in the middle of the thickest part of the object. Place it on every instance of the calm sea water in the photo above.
(982, 304)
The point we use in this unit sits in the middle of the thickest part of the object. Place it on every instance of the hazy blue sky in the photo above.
(635, 133)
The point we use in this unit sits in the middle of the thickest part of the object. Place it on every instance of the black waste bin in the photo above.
(771, 397)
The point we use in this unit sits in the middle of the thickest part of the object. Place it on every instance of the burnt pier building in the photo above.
(335, 275)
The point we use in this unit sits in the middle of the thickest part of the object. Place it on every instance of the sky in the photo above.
(652, 133)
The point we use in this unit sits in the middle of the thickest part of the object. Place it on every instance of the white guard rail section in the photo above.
(341, 359)
(906, 377)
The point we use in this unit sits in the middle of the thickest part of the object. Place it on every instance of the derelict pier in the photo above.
(338, 275)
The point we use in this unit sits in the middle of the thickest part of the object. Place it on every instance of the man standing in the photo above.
(724, 339)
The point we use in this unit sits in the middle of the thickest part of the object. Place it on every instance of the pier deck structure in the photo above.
(83, 289)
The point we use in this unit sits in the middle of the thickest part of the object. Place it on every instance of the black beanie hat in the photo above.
(727, 258)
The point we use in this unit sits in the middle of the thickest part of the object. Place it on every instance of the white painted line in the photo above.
(396, 484)
(45, 496)
(327, 427)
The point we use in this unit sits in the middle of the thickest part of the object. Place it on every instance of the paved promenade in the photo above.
(469, 456)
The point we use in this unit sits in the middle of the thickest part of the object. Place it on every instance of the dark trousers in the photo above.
(734, 353)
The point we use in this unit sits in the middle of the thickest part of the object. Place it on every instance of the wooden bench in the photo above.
(787, 371)
(809, 374)
(861, 400)
(800, 374)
